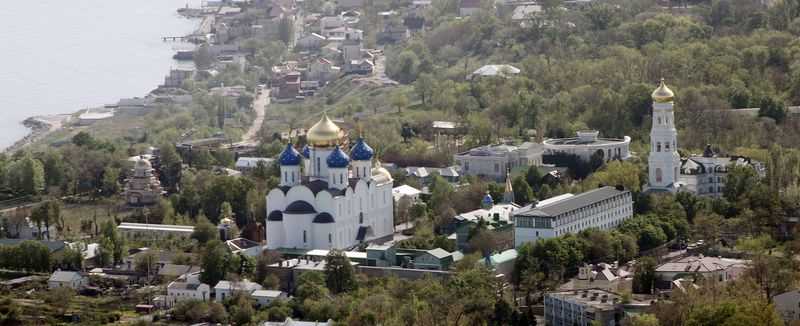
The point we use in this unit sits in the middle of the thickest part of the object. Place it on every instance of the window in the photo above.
(496, 167)
(360, 218)
(666, 147)
(341, 179)
(659, 175)
(304, 238)
(318, 165)
(658, 146)
(659, 120)
(330, 238)
(710, 189)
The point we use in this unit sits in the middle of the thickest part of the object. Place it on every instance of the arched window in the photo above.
(666, 147)
(659, 175)
(360, 218)
(318, 169)
(658, 147)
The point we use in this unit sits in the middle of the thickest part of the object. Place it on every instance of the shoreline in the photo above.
(42, 125)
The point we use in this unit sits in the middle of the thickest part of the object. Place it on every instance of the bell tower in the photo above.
(664, 160)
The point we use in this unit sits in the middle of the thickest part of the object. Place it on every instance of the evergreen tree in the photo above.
(214, 263)
(339, 274)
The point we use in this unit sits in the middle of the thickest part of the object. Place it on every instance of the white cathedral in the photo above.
(328, 199)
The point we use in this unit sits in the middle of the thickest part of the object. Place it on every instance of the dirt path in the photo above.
(260, 106)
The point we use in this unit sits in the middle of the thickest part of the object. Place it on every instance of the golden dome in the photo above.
(663, 94)
(380, 174)
(324, 133)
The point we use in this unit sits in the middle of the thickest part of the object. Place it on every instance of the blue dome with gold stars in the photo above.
(338, 159)
(290, 156)
(361, 151)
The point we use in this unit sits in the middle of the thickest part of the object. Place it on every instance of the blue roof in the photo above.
(323, 218)
(306, 151)
(300, 207)
(338, 159)
(290, 156)
(275, 216)
(361, 151)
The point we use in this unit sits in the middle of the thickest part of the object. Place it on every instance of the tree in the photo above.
(399, 100)
(423, 86)
(645, 276)
(618, 173)
(60, 298)
(83, 139)
(286, 30)
(772, 108)
(203, 57)
(115, 242)
(523, 194)
(171, 166)
(71, 259)
(690, 203)
(404, 67)
(311, 286)
(204, 231)
(214, 262)
(641, 320)
(110, 181)
(339, 274)
(145, 263)
(534, 177)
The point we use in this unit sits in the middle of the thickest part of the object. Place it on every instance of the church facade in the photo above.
(327, 198)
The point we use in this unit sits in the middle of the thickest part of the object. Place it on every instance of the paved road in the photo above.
(260, 106)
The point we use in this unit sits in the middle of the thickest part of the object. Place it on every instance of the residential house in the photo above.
(66, 279)
(608, 277)
(710, 268)
(266, 297)
(525, 12)
(359, 67)
(434, 259)
(330, 22)
(248, 164)
(28, 230)
(177, 77)
(225, 289)
(310, 42)
(469, 7)
(788, 306)
(183, 291)
(496, 217)
(169, 271)
(349, 4)
(322, 70)
(134, 106)
(502, 263)
(245, 247)
(406, 191)
(503, 71)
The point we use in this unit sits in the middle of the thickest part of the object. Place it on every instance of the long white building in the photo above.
(602, 208)
(327, 198)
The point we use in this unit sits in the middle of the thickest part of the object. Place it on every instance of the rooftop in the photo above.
(700, 264)
(593, 298)
(64, 276)
(155, 227)
(585, 137)
(502, 210)
(572, 202)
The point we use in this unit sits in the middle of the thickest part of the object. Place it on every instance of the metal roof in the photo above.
(573, 203)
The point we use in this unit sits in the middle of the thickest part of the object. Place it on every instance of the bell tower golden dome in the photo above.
(663, 94)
